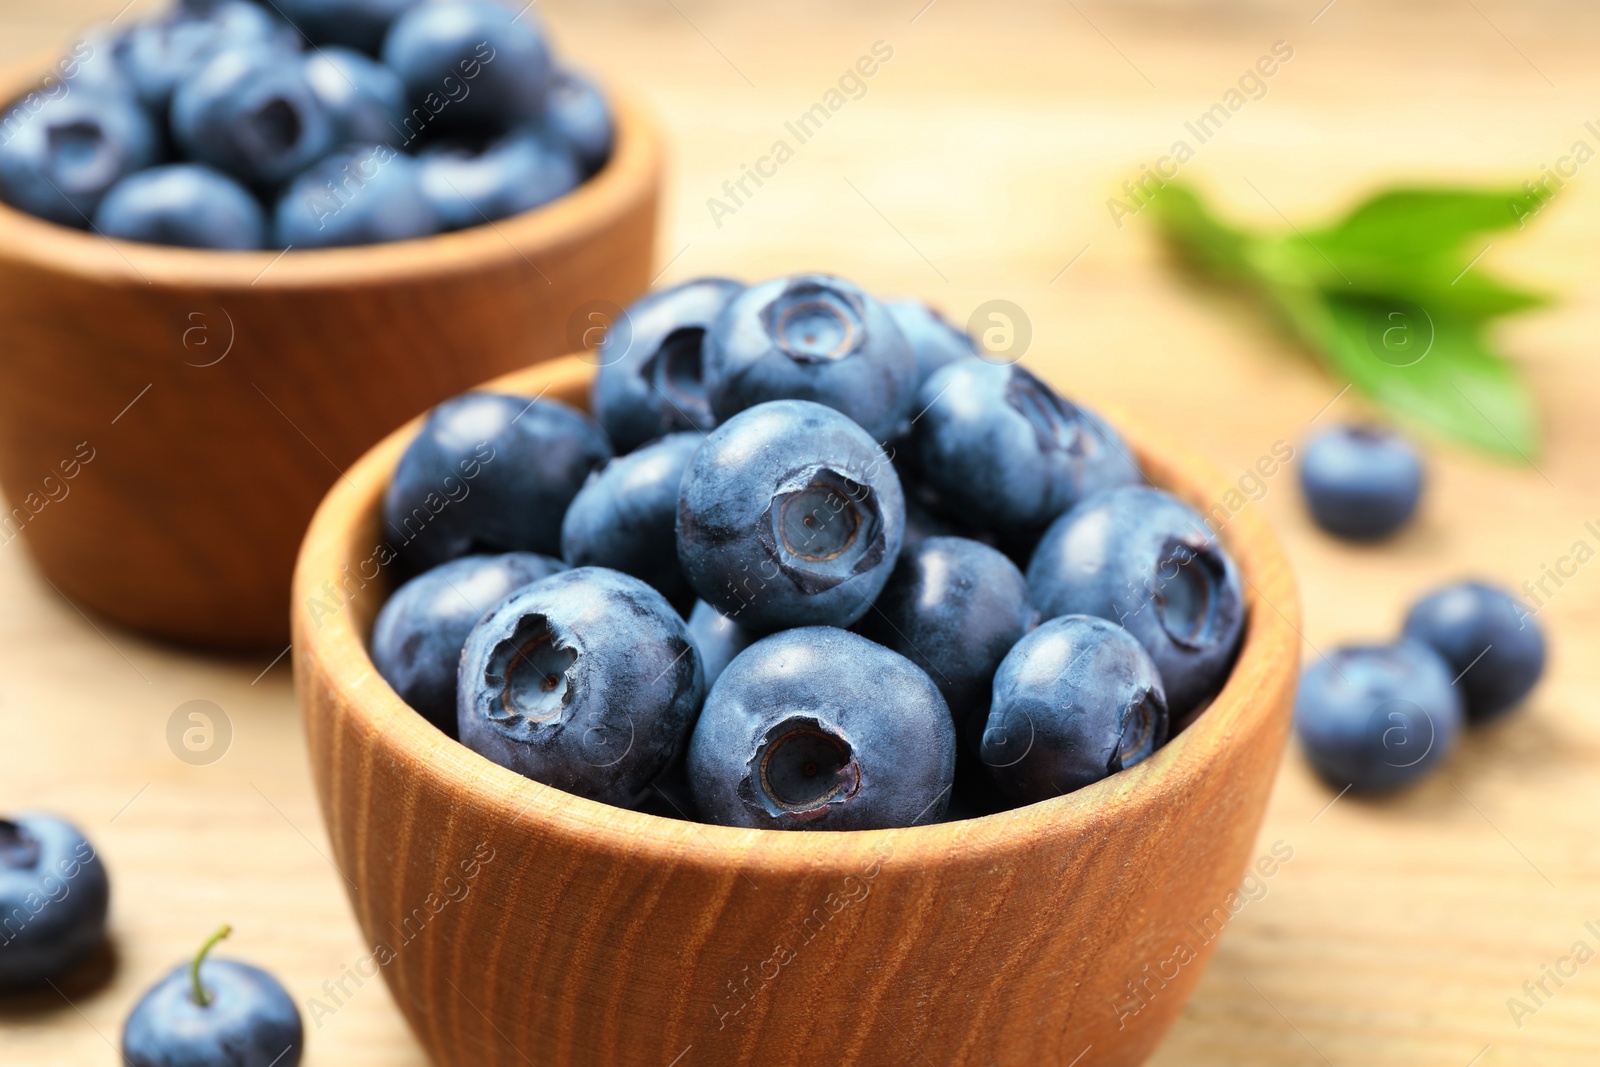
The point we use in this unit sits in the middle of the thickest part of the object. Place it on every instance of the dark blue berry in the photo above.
(789, 515)
(586, 681)
(364, 99)
(54, 896)
(470, 65)
(359, 24)
(183, 204)
(419, 635)
(220, 1013)
(160, 55)
(821, 729)
(718, 638)
(1488, 638)
(251, 112)
(490, 473)
(651, 379)
(1142, 559)
(474, 182)
(1076, 700)
(812, 337)
(934, 341)
(1361, 483)
(953, 607)
(999, 445)
(626, 515)
(60, 161)
(1377, 717)
(580, 116)
(367, 194)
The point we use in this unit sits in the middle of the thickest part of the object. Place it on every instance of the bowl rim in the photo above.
(333, 656)
(632, 172)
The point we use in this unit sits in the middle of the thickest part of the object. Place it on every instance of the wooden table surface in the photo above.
(975, 166)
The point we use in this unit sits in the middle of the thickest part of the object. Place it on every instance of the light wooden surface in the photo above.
(977, 167)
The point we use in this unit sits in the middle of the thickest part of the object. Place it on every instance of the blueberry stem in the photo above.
(200, 998)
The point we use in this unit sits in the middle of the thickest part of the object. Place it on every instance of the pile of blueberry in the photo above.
(54, 900)
(210, 127)
(812, 564)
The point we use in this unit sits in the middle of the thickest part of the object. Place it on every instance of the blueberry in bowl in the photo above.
(361, 195)
(471, 182)
(62, 161)
(357, 24)
(186, 205)
(717, 638)
(934, 342)
(159, 55)
(474, 65)
(364, 100)
(1361, 483)
(651, 378)
(54, 897)
(576, 110)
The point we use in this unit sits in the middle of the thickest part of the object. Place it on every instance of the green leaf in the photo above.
(1198, 236)
(1419, 222)
(1449, 282)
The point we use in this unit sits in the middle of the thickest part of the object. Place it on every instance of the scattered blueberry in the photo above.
(54, 896)
(933, 341)
(252, 113)
(184, 204)
(1377, 717)
(419, 635)
(473, 182)
(998, 444)
(580, 116)
(821, 729)
(626, 515)
(60, 161)
(586, 681)
(953, 607)
(1361, 483)
(367, 194)
(1488, 638)
(718, 638)
(473, 65)
(359, 24)
(1142, 559)
(221, 1013)
(790, 515)
(812, 337)
(651, 379)
(1076, 700)
(490, 473)
(364, 100)
(162, 54)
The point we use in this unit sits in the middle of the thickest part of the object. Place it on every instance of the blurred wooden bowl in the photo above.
(169, 418)
(516, 924)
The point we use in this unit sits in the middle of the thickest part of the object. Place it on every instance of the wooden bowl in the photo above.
(516, 924)
(169, 418)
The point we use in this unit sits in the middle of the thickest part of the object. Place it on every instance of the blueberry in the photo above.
(367, 194)
(1489, 640)
(811, 337)
(359, 24)
(1140, 558)
(470, 65)
(626, 515)
(789, 515)
(252, 113)
(651, 378)
(718, 639)
(60, 161)
(94, 65)
(54, 896)
(1377, 717)
(364, 100)
(221, 1013)
(1076, 700)
(821, 729)
(579, 114)
(586, 681)
(490, 473)
(933, 341)
(473, 182)
(996, 443)
(419, 635)
(953, 607)
(1362, 483)
(184, 204)
(162, 54)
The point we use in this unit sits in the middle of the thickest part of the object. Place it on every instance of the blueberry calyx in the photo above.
(823, 528)
(198, 993)
(811, 323)
(676, 371)
(529, 675)
(800, 769)
(272, 130)
(1055, 421)
(1139, 731)
(1187, 596)
(19, 850)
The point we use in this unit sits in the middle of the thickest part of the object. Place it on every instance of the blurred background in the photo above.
(976, 165)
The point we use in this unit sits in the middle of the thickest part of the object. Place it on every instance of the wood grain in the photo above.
(196, 405)
(1066, 932)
